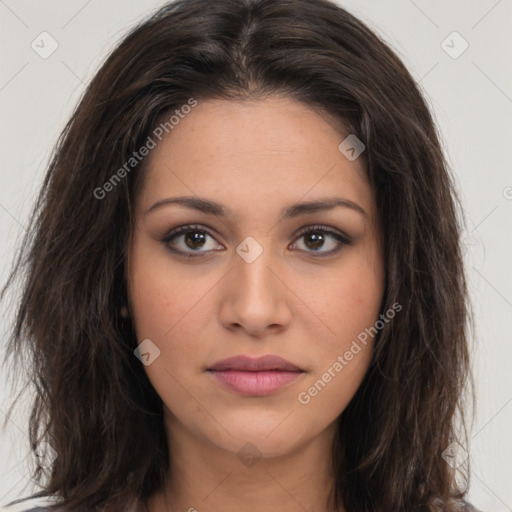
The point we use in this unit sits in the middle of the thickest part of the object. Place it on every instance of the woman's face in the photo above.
(257, 279)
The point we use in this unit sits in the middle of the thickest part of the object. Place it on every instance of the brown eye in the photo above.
(314, 240)
(319, 237)
(187, 240)
(194, 239)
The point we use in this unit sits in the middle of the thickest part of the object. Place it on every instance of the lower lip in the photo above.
(255, 383)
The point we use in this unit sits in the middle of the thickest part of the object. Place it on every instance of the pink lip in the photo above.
(255, 383)
(255, 376)
(255, 364)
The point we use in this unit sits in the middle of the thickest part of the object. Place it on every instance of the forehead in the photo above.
(252, 152)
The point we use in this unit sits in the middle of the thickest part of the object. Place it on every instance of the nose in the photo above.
(255, 296)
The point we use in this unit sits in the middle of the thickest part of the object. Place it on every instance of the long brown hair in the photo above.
(96, 427)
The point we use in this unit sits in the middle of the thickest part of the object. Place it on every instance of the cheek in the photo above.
(169, 308)
(163, 296)
(347, 300)
(356, 302)
(350, 307)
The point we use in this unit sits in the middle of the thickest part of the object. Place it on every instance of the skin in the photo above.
(290, 301)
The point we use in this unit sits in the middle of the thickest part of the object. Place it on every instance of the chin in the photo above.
(270, 438)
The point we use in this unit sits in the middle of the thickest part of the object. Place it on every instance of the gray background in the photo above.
(471, 96)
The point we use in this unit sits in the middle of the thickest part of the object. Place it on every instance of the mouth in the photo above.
(255, 376)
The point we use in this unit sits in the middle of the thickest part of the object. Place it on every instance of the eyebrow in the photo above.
(304, 208)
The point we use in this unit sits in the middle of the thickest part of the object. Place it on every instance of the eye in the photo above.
(315, 238)
(189, 238)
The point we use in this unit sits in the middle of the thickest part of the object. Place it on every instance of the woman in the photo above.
(244, 287)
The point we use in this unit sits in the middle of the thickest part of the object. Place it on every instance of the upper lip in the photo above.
(254, 364)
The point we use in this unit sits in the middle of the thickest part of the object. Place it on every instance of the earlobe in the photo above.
(124, 312)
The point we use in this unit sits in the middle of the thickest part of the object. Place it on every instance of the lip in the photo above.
(255, 364)
(250, 376)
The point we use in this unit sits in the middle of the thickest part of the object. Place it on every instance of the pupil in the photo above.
(196, 238)
(315, 237)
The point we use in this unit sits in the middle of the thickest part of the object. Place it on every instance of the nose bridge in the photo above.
(253, 264)
(255, 296)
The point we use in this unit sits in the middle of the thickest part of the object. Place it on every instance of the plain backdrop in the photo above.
(469, 90)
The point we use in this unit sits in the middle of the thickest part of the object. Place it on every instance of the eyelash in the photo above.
(342, 239)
